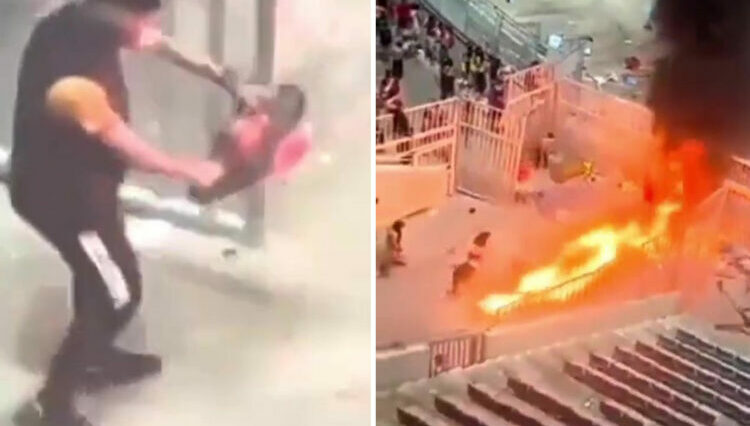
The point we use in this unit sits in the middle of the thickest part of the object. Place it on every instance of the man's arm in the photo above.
(84, 102)
(153, 40)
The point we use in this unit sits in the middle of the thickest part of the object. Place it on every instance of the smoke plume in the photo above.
(701, 86)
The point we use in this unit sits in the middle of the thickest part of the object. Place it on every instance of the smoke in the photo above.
(701, 89)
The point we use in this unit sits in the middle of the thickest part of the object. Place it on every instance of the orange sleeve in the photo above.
(83, 101)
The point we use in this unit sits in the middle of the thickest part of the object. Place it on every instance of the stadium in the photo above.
(612, 286)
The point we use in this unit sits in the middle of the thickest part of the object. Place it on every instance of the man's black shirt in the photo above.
(49, 153)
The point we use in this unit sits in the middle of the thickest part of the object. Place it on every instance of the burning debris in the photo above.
(679, 179)
(579, 261)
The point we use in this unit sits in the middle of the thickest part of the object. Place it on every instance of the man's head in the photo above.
(284, 108)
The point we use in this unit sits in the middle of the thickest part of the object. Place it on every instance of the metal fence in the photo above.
(529, 80)
(740, 171)
(456, 352)
(430, 117)
(489, 144)
(482, 146)
(614, 133)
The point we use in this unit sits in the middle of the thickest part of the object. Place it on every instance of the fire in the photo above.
(575, 267)
(679, 179)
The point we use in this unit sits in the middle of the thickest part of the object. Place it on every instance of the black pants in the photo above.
(90, 236)
(385, 38)
(447, 87)
(397, 68)
(480, 82)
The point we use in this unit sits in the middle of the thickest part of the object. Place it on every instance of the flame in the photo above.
(495, 302)
(679, 179)
(575, 267)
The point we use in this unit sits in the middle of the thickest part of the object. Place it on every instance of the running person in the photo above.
(464, 272)
(71, 148)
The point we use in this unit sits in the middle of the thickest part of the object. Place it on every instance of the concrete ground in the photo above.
(411, 302)
(615, 25)
(252, 339)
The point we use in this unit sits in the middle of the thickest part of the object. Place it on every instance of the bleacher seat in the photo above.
(622, 393)
(621, 415)
(417, 416)
(648, 378)
(724, 355)
(548, 404)
(648, 387)
(508, 407)
(706, 361)
(461, 413)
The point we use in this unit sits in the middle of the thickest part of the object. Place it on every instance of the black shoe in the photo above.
(121, 368)
(63, 419)
(42, 412)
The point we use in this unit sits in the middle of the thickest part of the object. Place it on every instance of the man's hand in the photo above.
(230, 80)
(231, 83)
(202, 173)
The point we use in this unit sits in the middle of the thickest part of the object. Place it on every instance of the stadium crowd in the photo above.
(407, 31)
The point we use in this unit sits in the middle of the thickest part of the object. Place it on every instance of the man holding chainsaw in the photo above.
(71, 148)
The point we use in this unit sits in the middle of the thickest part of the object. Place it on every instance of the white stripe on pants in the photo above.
(111, 274)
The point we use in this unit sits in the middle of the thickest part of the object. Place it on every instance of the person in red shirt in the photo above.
(404, 16)
(523, 187)
(391, 98)
(449, 39)
(388, 89)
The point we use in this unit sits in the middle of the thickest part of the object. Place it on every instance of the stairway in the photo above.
(668, 372)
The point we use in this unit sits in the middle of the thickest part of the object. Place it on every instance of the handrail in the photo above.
(482, 23)
(506, 20)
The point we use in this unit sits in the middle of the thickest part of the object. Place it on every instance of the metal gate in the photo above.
(614, 133)
(491, 142)
(458, 352)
